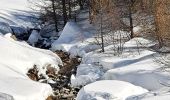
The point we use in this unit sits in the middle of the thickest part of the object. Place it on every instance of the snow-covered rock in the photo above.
(109, 90)
(18, 30)
(15, 61)
(33, 38)
(86, 74)
(5, 28)
(71, 33)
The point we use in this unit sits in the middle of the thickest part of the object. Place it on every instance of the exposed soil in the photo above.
(62, 87)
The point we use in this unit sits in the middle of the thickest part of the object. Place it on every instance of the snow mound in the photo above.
(109, 90)
(70, 33)
(74, 41)
(146, 79)
(16, 59)
(86, 74)
(33, 38)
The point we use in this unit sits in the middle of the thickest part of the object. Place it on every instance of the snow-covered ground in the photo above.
(109, 90)
(18, 13)
(133, 75)
(137, 65)
(16, 59)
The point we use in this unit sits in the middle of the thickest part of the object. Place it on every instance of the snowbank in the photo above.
(74, 41)
(18, 17)
(147, 79)
(86, 74)
(137, 67)
(71, 33)
(33, 38)
(109, 90)
(16, 59)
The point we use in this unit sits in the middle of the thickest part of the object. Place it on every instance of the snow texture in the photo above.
(109, 90)
(33, 38)
(16, 59)
(4, 96)
(86, 74)
(74, 41)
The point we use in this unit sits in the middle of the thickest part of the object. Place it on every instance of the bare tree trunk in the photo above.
(55, 16)
(69, 8)
(101, 26)
(131, 19)
(64, 11)
(101, 32)
(159, 23)
(75, 13)
(90, 3)
(81, 4)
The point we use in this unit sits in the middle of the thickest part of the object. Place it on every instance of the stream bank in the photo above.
(61, 85)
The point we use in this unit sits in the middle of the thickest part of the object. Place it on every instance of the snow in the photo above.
(16, 59)
(86, 74)
(70, 33)
(18, 30)
(139, 42)
(17, 12)
(14, 4)
(109, 90)
(5, 28)
(162, 94)
(33, 38)
(4, 96)
(74, 41)
(136, 65)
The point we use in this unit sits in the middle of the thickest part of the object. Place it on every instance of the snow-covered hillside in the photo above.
(14, 4)
(17, 12)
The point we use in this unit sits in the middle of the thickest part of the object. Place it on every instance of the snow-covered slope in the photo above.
(17, 12)
(16, 58)
(14, 4)
(74, 40)
(71, 33)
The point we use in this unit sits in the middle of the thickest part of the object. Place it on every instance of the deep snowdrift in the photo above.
(16, 59)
